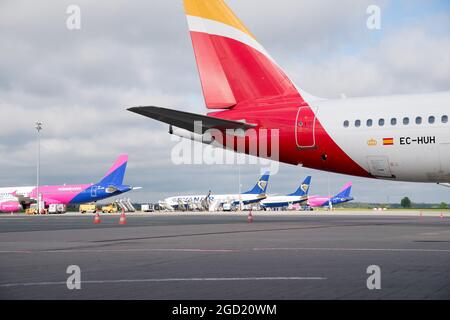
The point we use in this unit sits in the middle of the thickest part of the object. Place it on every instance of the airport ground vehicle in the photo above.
(148, 207)
(88, 207)
(226, 207)
(110, 208)
(57, 208)
(33, 209)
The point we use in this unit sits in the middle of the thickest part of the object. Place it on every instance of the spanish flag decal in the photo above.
(388, 141)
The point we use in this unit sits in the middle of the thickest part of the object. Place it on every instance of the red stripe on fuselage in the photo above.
(254, 75)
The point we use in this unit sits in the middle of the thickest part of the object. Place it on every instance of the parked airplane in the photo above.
(9, 202)
(341, 197)
(256, 194)
(12, 199)
(403, 138)
(299, 196)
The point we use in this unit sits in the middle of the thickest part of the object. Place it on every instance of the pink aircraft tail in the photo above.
(116, 173)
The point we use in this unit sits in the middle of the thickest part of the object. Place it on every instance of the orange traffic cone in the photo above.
(123, 218)
(97, 218)
(250, 217)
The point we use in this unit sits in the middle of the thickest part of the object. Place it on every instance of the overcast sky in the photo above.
(129, 53)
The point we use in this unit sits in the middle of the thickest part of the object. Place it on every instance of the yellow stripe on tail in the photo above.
(215, 10)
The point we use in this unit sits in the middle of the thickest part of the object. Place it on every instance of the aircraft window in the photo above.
(346, 124)
(393, 121)
(431, 119)
(357, 123)
(406, 121)
(381, 122)
(444, 119)
(419, 120)
(369, 122)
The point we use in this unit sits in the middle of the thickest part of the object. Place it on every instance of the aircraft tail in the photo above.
(233, 66)
(303, 189)
(345, 191)
(116, 173)
(261, 185)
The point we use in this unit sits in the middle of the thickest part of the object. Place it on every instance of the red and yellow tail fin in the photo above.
(234, 68)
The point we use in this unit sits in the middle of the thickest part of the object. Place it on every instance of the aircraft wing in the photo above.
(185, 120)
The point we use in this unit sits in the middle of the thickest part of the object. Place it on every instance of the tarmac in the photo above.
(206, 256)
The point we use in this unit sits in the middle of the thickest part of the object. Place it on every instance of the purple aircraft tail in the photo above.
(345, 191)
(116, 173)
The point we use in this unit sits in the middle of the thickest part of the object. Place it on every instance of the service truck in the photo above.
(57, 208)
(110, 208)
(88, 207)
(147, 207)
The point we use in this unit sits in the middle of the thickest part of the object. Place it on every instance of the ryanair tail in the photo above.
(233, 66)
(116, 173)
(261, 185)
(303, 189)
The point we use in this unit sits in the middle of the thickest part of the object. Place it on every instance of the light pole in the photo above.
(38, 128)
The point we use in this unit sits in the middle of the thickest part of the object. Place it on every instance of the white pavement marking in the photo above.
(224, 250)
(28, 284)
(120, 250)
(354, 249)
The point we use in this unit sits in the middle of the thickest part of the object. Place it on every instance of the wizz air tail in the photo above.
(234, 68)
(116, 173)
(345, 191)
(303, 189)
(261, 185)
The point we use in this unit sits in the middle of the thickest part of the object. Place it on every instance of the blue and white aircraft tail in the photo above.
(299, 196)
(261, 186)
(303, 189)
